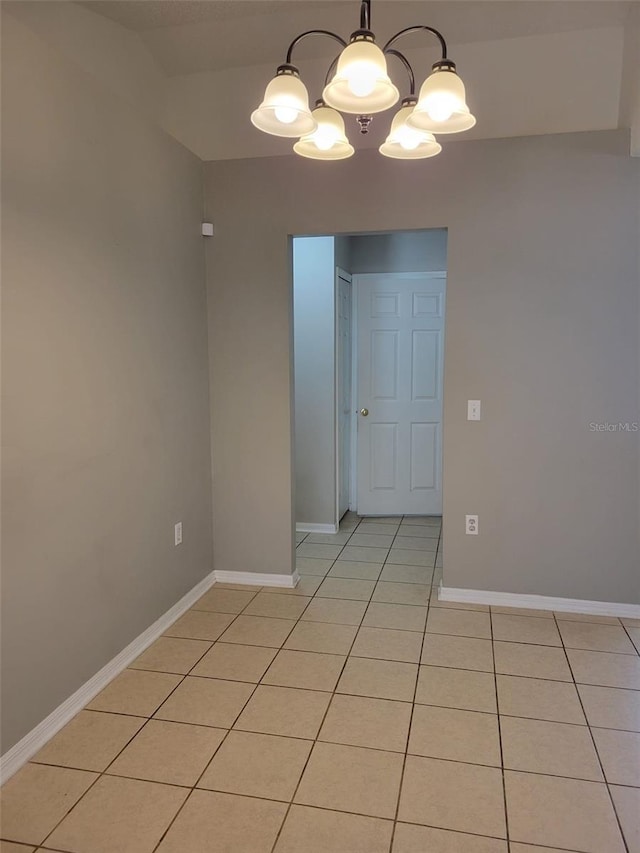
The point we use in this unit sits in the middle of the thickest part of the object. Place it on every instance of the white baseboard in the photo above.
(258, 579)
(316, 528)
(19, 754)
(538, 602)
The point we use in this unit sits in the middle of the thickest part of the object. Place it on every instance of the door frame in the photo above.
(356, 278)
(346, 276)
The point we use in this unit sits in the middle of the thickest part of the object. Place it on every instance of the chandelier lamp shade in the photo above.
(358, 83)
(442, 106)
(285, 108)
(406, 142)
(328, 141)
(361, 81)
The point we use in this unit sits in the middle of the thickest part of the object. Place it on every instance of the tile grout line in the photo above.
(415, 688)
(384, 563)
(631, 655)
(333, 743)
(242, 681)
(147, 719)
(361, 696)
(593, 741)
(371, 817)
(625, 628)
(315, 739)
(360, 624)
(143, 726)
(386, 820)
(438, 546)
(211, 646)
(194, 787)
(333, 693)
(413, 707)
(182, 680)
(502, 767)
(334, 561)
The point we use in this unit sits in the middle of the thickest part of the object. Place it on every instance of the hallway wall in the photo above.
(402, 251)
(105, 413)
(314, 272)
(542, 326)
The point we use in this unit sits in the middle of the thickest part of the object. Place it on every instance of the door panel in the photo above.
(384, 365)
(400, 340)
(383, 456)
(425, 365)
(424, 453)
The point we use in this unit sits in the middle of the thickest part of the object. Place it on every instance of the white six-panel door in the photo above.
(400, 348)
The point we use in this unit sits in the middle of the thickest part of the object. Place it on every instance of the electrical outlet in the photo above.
(178, 533)
(471, 524)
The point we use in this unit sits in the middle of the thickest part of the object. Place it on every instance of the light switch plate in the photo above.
(473, 410)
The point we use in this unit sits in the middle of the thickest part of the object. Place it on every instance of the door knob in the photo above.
(364, 412)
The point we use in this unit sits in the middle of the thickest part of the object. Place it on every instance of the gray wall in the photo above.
(105, 414)
(403, 251)
(314, 271)
(542, 326)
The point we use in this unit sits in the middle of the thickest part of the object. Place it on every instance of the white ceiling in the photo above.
(190, 36)
(140, 15)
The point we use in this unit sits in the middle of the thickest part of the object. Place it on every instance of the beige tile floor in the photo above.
(354, 714)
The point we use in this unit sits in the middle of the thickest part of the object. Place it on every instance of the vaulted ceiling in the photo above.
(187, 36)
(199, 67)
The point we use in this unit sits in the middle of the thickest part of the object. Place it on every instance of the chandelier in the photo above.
(357, 83)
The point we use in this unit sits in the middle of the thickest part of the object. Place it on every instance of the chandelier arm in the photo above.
(403, 59)
(330, 70)
(437, 34)
(302, 36)
(365, 15)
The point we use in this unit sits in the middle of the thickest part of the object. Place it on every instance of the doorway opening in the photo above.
(369, 323)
